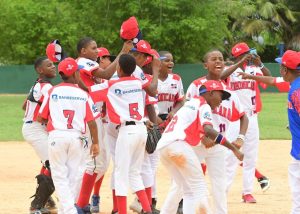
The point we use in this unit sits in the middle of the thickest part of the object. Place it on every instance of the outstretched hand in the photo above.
(127, 46)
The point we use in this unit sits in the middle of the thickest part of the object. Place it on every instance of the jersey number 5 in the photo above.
(133, 111)
(70, 115)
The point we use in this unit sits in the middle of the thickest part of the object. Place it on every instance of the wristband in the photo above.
(220, 139)
(261, 66)
(241, 136)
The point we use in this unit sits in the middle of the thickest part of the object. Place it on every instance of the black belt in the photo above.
(129, 123)
(30, 121)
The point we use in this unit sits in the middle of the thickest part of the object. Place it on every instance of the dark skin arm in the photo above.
(227, 72)
(151, 89)
(244, 121)
(177, 106)
(110, 70)
(94, 134)
(264, 79)
(24, 104)
(211, 135)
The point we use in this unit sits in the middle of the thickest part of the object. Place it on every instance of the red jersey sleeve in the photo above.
(99, 92)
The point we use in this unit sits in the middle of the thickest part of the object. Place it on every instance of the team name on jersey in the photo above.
(166, 97)
(223, 112)
(242, 85)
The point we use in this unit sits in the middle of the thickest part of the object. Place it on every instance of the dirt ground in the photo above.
(19, 165)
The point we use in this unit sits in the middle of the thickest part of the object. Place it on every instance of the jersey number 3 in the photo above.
(70, 115)
(133, 111)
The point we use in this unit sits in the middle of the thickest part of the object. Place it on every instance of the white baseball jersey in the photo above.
(124, 99)
(229, 110)
(86, 71)
(39, 91)
(68, 108)
(170, 91)
(187, 124)
(246, 90)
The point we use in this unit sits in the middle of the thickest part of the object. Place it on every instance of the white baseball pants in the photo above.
(188, 180)
(294, 180)
(37, 136)
(129, 156)
(65, 155)
(250, 150)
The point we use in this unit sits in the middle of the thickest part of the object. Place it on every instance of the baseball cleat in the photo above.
(84, 210)
(39, 211)
(248, 198)
(95, 204)
(136, 206)
(264, 183)
(51, 206)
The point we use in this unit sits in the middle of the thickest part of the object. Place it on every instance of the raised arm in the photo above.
(151, 89)
(110, 70)
(228, 71)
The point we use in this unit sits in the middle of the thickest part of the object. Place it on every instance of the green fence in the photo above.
(17, 79)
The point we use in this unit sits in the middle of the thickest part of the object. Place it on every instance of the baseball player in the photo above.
(89, 75)
(247, 92)
(150, 162)
(67, 108)
(290, 71)
(34, 132)
(229, 110)
(186, 129)
(102, 161)
(125, 108)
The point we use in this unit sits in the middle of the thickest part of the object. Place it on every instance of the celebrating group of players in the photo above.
(103, 108)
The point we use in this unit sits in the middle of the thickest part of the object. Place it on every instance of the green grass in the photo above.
(272, 119)
(11, 115)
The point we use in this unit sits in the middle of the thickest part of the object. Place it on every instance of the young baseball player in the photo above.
(67, 108)
(228, 111)
(187, 128)
(150, 162)
(34, 132)
(248, 94)
(102, 161)
(125, 108)
(89, 75)
(290, 71)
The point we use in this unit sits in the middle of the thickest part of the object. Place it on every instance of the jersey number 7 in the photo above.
(70, 115)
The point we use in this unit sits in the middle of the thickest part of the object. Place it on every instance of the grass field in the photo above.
(272, 120)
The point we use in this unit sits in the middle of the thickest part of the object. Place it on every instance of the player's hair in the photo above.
(83, 42)
(63, 76)
(127, 64)
(206, 55)
(163, 53)
(38, 62)
(136, 53)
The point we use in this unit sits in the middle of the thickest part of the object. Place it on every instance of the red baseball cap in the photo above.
(54, 51)
(150, 58)
(213, 85)
(143, 46)
(104, 52)
(129, 28)
(68, 66)
(239, 49)
(290, 59)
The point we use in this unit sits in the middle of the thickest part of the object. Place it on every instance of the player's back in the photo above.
(68, 107)
(187, 123)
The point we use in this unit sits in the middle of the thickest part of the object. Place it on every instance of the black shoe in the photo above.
(153, 207)
(264, 183)
(179, 210)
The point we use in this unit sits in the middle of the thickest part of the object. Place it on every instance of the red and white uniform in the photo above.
(248, 94)
(281, 84)
(125, 104)
(229, 111)
(34, 132)
(86, 71)
(184, 132)
(170, 91)
(68, 109)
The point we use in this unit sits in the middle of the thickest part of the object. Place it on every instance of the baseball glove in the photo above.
(153, 137)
